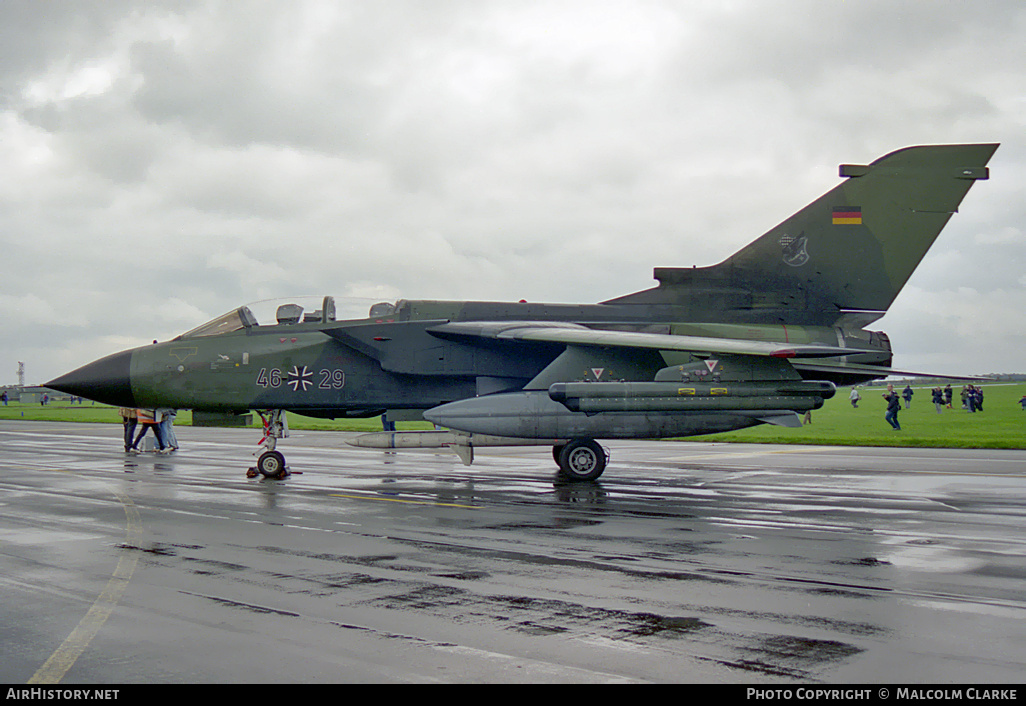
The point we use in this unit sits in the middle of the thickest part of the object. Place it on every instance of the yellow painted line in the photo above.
(54, 669)
(411, 502)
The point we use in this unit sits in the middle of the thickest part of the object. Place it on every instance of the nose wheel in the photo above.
(271, 464)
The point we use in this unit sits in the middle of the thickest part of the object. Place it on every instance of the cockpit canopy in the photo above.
(291, 312)
(232, 321)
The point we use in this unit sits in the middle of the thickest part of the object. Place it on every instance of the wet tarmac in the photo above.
(686, 562)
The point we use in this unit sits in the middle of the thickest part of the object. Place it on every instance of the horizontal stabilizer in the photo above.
(876, 371)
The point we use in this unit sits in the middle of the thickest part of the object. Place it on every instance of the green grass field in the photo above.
(103, 414)
(1002, 424)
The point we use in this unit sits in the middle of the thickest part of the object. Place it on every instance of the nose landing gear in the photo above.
(271, 463)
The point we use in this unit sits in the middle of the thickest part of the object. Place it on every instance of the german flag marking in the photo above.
(847, 215)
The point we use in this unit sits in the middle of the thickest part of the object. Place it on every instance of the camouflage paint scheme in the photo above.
(792, 306)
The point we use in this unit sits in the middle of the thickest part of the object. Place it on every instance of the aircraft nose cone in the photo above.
(105, 380)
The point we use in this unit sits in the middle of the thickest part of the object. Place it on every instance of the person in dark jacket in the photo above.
(893, 405)
(907, 394)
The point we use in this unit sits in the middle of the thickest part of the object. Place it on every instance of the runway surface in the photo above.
(686, 562)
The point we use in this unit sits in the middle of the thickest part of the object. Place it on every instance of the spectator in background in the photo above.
(148, 419)
(907, 395)
(893, 405)
(129, 420)
(167, 428)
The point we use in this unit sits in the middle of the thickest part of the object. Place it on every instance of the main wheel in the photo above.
(271, 464)
(557, 451)
(582, 459)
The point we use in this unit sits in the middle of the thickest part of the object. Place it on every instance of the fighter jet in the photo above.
(758, 339)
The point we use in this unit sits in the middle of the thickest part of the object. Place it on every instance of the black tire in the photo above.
(582, 459)
(557, 451)
(271, 464)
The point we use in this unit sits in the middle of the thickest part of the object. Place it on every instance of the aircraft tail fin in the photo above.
(852, 249)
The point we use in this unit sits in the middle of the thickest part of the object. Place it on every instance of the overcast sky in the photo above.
(164, 162)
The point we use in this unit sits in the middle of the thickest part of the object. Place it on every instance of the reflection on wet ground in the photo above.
(686, 562)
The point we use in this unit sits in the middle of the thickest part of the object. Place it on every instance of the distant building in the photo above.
(33, 394)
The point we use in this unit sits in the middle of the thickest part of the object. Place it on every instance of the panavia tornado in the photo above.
(758, 339)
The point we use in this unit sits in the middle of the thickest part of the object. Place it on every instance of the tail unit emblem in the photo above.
(795, 253)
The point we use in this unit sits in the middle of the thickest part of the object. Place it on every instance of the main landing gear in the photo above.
(580, 459)
(271, 463)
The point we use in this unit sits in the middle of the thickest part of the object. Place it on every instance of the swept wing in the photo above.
(578, 335)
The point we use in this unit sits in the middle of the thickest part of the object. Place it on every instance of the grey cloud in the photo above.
(549, 151)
